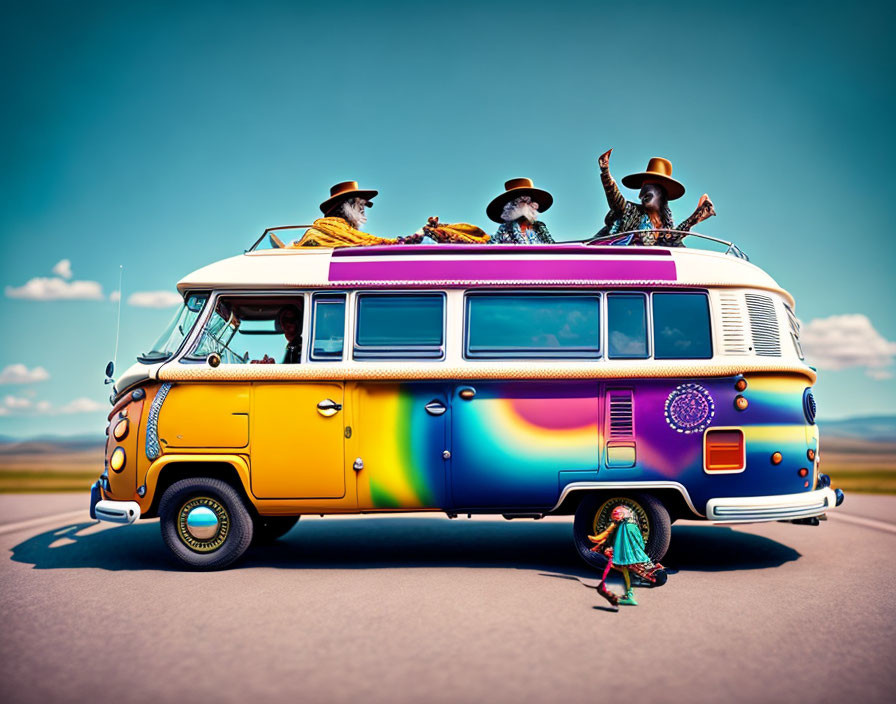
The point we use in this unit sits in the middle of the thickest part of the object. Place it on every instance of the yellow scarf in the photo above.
(336, 232)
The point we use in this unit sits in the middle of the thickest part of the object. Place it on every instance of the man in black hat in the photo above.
(517, 210)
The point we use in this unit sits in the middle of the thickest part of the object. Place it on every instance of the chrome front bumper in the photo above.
(755, 509)
(117, 511)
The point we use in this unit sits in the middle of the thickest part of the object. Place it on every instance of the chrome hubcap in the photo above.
(203, 524)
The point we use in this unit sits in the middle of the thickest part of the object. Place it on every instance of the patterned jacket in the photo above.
(625, 216)
(512, 233)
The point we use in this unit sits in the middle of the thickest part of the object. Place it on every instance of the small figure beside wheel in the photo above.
(626, 551)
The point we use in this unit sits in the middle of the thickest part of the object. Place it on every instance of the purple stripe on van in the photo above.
(496, 250)
(503, 270)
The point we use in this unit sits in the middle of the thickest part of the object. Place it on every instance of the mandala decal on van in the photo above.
(689, 409)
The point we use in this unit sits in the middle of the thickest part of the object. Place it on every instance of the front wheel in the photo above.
(593, 516)
(205, 523)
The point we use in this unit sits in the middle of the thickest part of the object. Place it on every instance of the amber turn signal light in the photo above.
(810, 453)
(121, 429)
(740, 403)
(741, 385)
(777, 457)
(118, 459)
(804, 472)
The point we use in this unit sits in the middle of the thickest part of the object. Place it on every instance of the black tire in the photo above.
(269, 528)
(659, 527)
(225, 541)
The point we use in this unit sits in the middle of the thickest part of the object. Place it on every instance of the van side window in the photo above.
(328, 327)
(681, 326)
(627, 325)
(400, 326)
(253, 330)
(533, 325)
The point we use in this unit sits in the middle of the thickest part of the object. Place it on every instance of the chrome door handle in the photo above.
(466, 392)
(328, 408)
(435, 407)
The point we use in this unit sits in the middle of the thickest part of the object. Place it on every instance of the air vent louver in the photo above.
(734, 333)
(764, 325)
(622, 419)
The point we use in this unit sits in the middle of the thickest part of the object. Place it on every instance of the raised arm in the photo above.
(615, 199)
(703, 211)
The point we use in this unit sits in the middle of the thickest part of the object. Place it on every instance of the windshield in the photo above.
(170, 340)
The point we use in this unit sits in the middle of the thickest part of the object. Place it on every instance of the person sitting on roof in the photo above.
(653, 213)
(517, 210)
(345, 211)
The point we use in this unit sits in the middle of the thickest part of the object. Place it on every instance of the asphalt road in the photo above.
(413, 608)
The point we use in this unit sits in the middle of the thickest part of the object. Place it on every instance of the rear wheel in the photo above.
(593, 516)
(205, 523)
(269, 528)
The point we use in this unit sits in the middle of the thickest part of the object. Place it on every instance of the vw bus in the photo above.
(523, 381)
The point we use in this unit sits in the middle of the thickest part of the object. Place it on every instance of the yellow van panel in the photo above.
(296, 451)
(205, 416)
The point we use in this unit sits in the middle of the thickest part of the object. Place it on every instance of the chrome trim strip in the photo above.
(582, 486)
(153, 449)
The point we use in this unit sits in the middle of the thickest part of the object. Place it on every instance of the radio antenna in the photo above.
(118, 322)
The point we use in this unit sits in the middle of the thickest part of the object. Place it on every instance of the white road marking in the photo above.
(861, 521)
(22, 525)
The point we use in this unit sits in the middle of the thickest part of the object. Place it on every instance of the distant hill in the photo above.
(870, 429)
(49, 444)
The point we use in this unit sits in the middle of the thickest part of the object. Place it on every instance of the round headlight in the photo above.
(118, 459)
(120, 432)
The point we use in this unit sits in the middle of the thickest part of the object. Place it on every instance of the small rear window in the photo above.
(681, 326)
(400, 326)
(533, 325)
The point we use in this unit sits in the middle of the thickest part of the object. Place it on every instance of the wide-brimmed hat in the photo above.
(344, 191)
(515, 188)
(658, 171)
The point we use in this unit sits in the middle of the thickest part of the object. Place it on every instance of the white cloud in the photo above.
(14, 403)
(63, 269)
(845, 341)
(82, 405)
(154, 299)
(114, 296)
(880, 374)
(44, 288)
(20, 374)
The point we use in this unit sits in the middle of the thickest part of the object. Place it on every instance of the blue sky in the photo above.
(161, 136)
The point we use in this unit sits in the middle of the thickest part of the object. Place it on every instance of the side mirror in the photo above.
(213, 360)
(110, 370)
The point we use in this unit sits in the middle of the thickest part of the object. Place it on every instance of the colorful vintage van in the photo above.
(522, 381)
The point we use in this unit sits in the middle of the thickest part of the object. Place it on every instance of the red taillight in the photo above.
(724, 451)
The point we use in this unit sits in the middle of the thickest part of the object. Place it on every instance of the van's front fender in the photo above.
(192, 467)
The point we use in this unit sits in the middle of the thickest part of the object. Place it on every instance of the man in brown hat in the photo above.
(344, 213)
(657, 188)
(517, 210)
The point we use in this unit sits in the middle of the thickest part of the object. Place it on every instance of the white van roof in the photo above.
(454, 266)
